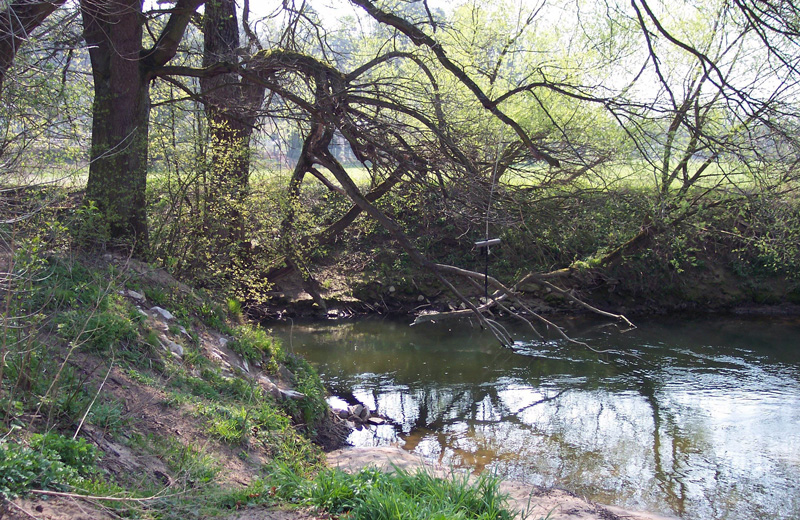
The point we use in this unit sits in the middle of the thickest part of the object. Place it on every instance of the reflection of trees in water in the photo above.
(521, 431)
(649, 435)
(669, 480)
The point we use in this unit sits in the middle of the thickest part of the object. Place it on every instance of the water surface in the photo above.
(703, 424)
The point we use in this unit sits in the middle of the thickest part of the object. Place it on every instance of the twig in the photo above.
(108, 499)
(89, 408)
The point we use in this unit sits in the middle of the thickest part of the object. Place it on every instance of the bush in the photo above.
(75, 453)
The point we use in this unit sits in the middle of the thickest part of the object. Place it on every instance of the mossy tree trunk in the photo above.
(231, 105)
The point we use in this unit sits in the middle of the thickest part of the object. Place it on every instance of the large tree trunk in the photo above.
(122, 71)
(120, 117)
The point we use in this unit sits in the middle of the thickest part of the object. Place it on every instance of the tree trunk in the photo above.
(122, 71)
(231, 106)
(120, 117)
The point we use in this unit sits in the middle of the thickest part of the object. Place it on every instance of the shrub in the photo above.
(75, 453)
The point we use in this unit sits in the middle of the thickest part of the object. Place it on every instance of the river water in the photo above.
(703, 422)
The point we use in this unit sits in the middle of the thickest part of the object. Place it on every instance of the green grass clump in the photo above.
(255, 345)
(373, 495)
(312, 408)
(188, 463)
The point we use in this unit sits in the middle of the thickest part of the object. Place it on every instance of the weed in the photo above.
(235, 310)
(108, 416)
(190, 463)
(156, 295)
(51, 462)
(255, 345)
(312, 408)
(75, 453)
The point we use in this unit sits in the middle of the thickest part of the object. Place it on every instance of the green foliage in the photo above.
(75, 453)
(214, 316)
(190, 463)
(51, 462)
(256, 345)
(371, 494)
(97, 331)
(157, 295)
(311, 409)
(235, 309)
(89, 227)
(29, 381)
(107, 414)
(257, 492)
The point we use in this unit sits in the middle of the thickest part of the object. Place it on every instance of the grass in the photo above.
(73, 306)
(373, 495)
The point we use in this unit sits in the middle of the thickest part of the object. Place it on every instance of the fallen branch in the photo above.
(62, 494)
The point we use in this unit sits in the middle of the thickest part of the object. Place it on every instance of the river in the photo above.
(700, 418)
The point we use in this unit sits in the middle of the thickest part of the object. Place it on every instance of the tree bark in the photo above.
(231, 105)
(122, 71)
(120, 117)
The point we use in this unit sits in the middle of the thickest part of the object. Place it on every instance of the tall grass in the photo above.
(402, 495)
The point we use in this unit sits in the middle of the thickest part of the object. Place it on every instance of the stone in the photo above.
(364, 415)
(270, 387)
(420, 298)
(392, 288)
(355, 410)
(139, 297)
(285, 374)
(292, 394)
(376, 421)
(173, 347)
(164, 313)
(185, 332)
(223, 341)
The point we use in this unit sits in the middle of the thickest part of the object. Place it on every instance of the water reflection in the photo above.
(705, 424)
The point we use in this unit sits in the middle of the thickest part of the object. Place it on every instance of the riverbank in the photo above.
(530, 502)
